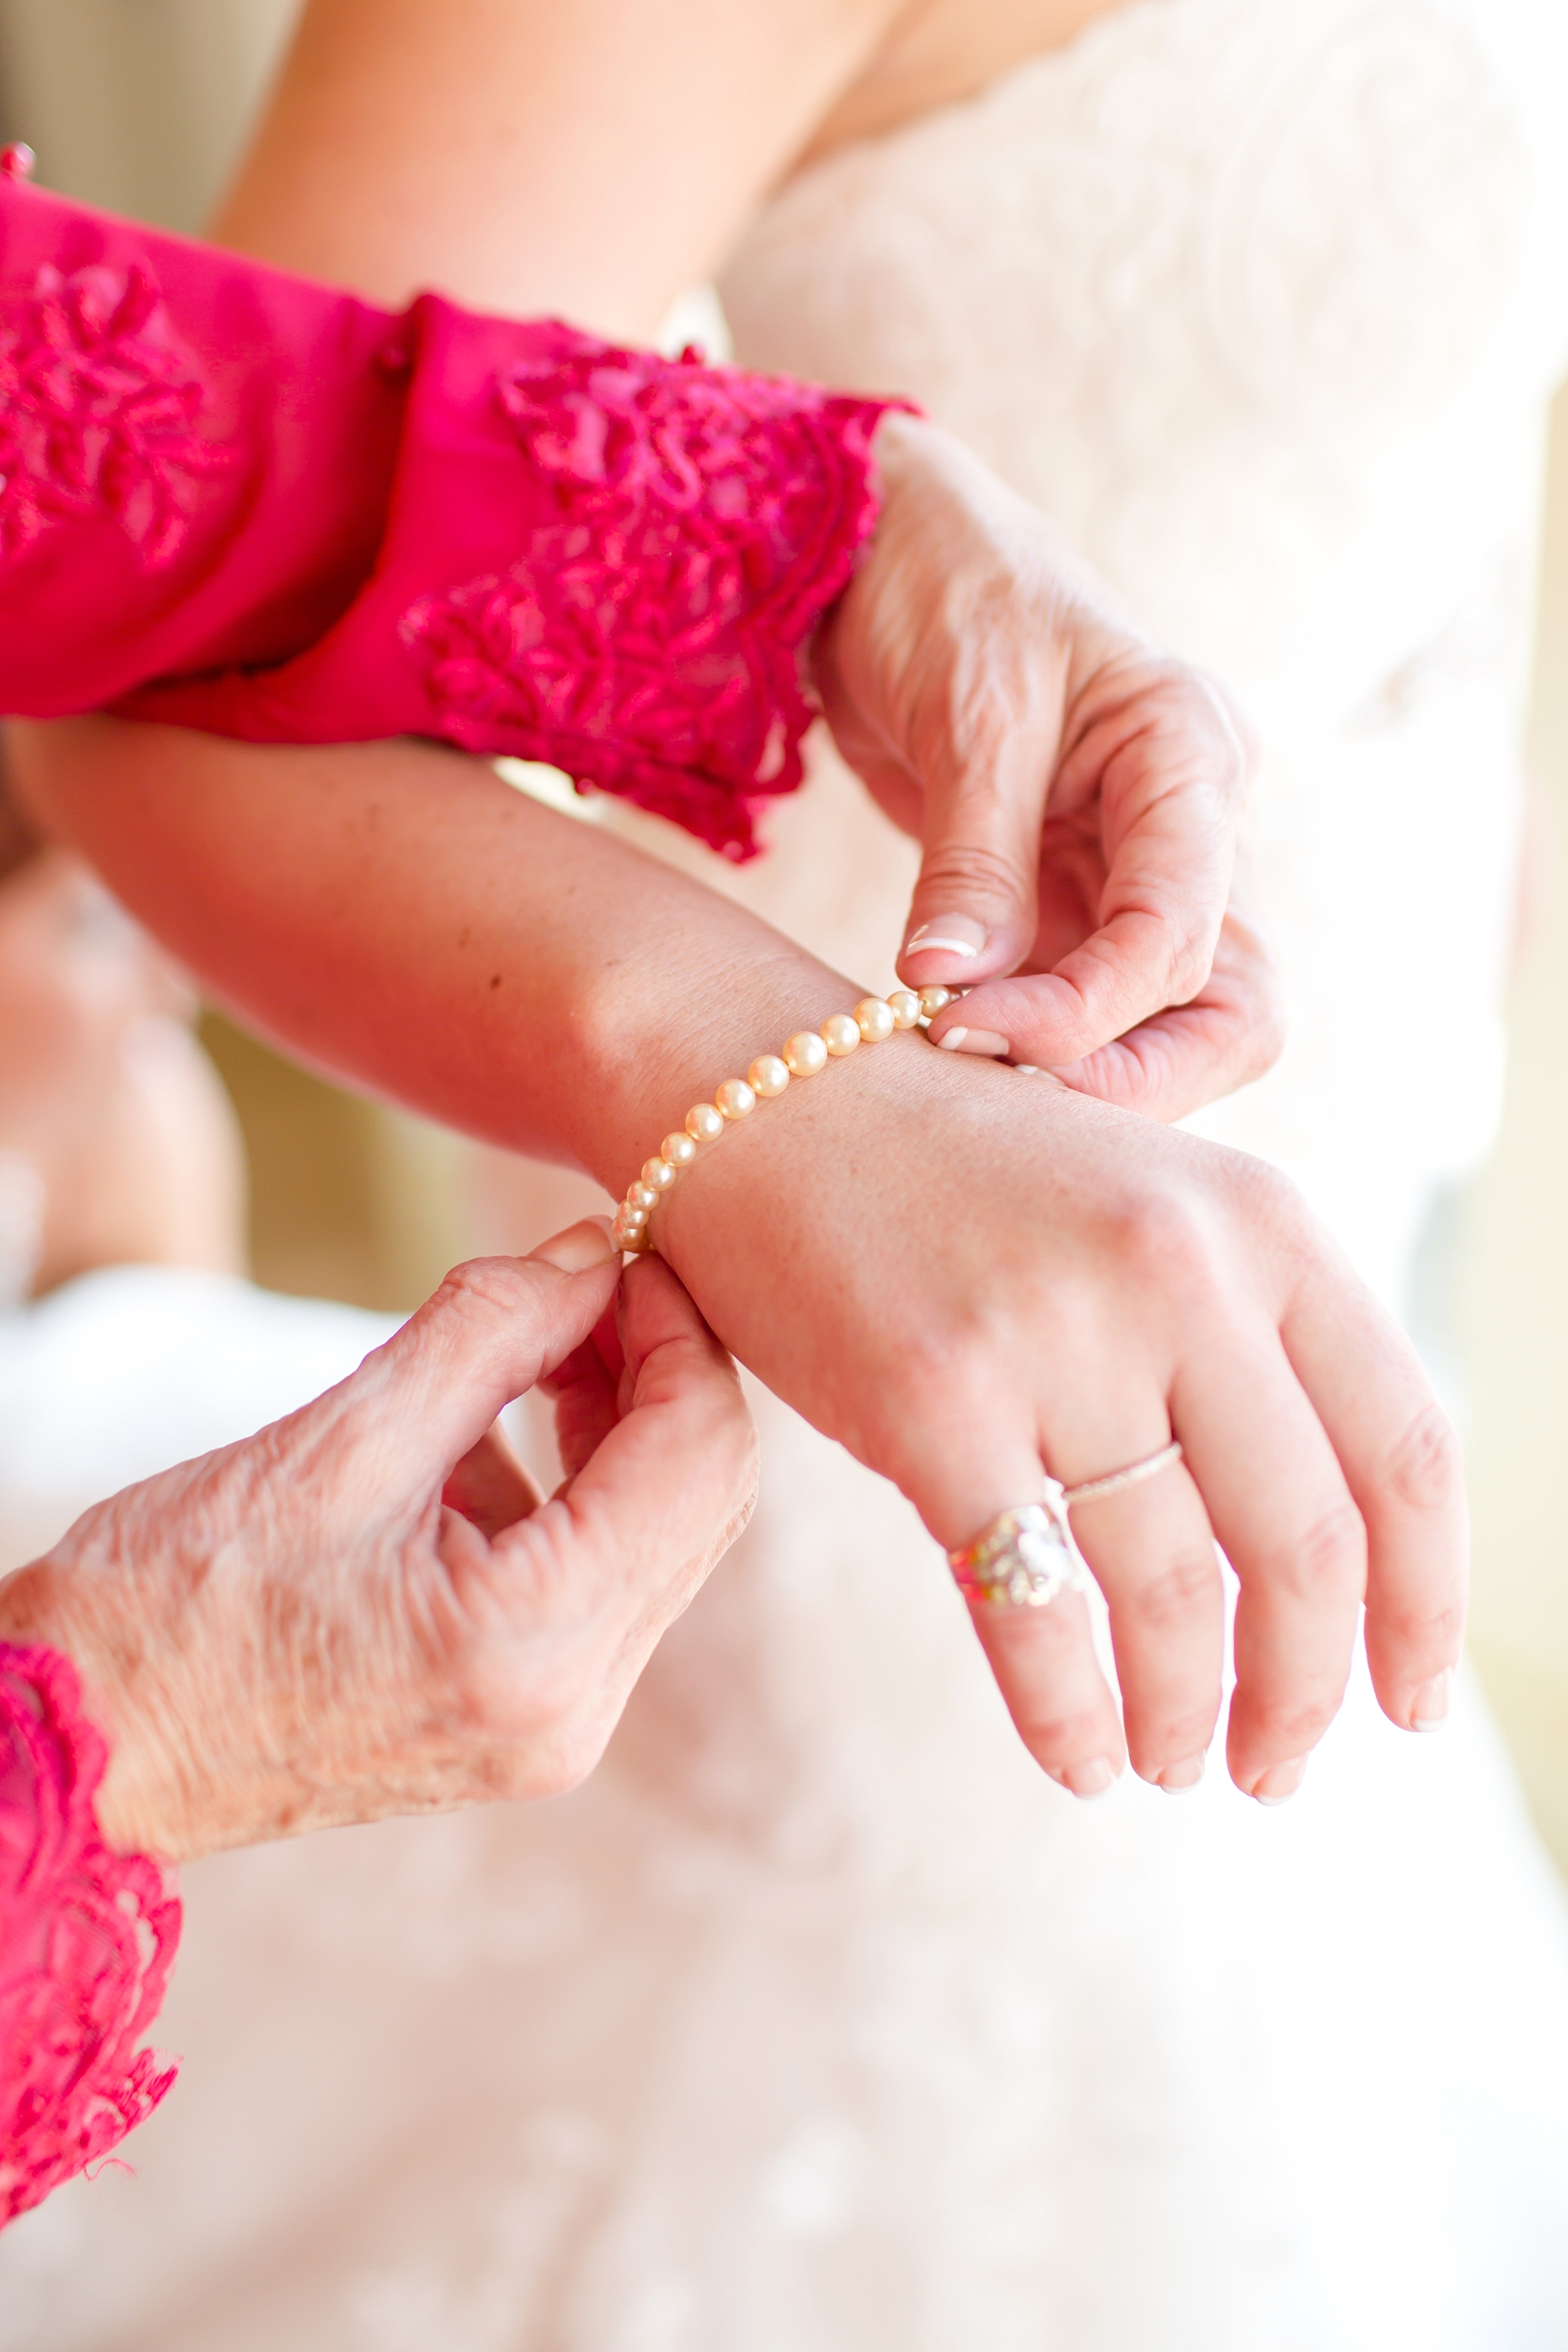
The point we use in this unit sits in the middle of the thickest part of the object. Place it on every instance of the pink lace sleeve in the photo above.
(87, 1941)
(596, 558)
(237, 502)
(195, 456)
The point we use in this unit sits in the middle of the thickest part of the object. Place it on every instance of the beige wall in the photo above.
(137, 105)
(1515, 1275)
(142, 106)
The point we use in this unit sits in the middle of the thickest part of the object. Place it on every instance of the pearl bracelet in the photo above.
(801, 1056)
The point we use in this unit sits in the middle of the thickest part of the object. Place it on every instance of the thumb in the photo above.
(425, 1398)
(975, 912)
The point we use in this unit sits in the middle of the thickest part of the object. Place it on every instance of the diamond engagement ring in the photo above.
(1027, 1556)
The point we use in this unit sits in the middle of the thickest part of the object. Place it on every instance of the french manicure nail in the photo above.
(1177, 1778)
(1429, 1710)
(973, 1041)
(958, 935)
(1280, 1781)
(1091, 1780)
(584, 1244)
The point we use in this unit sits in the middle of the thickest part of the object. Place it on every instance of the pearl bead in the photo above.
(806, 1054)
(808, 1051)
(735, 1098)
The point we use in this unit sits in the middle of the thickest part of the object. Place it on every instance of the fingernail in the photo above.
(1429, 1710)
(958, 935)
(1177, 1778)
(1280, 1781)
(973, 1041)
(1084, 1779)
(584, 1244)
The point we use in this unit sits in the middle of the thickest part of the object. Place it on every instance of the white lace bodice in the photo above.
(1264, 303)
(1214, 285)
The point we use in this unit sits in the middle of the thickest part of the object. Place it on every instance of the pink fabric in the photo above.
(198, 456)
(87, 1941)
(238, 502)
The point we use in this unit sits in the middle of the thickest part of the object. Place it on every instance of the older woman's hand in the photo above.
(365, 1609)
(1079, 795)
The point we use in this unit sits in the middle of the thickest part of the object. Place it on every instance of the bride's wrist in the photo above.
(657, 1050)
(859, 1115)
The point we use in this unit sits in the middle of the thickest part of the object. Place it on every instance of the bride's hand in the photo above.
(962, 1273)
(1079, 795)
(366, 1610)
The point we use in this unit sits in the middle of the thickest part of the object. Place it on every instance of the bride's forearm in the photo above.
(396, 915)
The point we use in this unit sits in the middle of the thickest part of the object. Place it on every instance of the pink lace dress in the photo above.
(235, 500)
(87, 1941)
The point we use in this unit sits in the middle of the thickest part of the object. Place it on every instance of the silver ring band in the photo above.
(1028, 1555)
(1117, 1482)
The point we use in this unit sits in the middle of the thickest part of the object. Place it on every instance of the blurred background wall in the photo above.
(141, 105)
(1513, 1266)
(138, 105)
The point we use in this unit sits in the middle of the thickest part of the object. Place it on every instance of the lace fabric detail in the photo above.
(648, 639)
(87, 1941)
(99, 411)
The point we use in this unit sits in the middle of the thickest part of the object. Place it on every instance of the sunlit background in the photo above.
(139, 105)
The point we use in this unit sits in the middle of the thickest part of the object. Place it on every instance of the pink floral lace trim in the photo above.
(99, 405)
(648, 639)
(87, 1941)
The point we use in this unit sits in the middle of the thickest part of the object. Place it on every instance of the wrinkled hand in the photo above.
(365, 1609)
(1079, 795)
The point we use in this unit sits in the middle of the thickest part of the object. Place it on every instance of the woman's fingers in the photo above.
(418, 1405)
(669, 1486)
(563, 1610)
(1046, 1672)
(1152, 747)
(974, 909)
(1154, 1557)
(1230, 1033)
(1279, 1503)
(585, 1391)
(1401, 1461)
(490, 1487)
(1043, 1659)
(1153, 1553)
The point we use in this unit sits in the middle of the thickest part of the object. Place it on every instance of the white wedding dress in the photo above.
(819, 2021)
